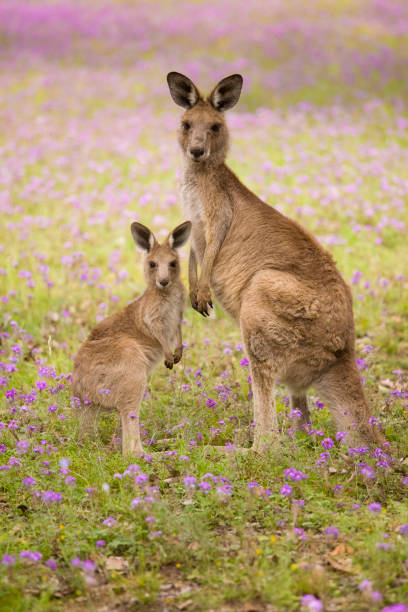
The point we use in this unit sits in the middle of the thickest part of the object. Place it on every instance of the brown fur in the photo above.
(122, 350)
(293, 306)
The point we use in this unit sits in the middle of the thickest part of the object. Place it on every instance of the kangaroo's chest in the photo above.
(194, 211)
(165, 316)
(173, 318)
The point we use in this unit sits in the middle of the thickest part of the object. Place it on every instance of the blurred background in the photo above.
(319, 51)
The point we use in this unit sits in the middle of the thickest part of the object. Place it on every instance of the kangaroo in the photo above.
(284, 290)
(112, 366)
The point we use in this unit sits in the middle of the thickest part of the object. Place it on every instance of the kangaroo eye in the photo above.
(216, 127)
(186, 125)
(173, 264)
(152, 264)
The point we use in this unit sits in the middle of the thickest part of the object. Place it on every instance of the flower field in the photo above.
(88, 145)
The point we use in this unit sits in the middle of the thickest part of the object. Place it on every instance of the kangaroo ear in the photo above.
(183, 91)
(179, 236)
(143, 237)
(226, 94)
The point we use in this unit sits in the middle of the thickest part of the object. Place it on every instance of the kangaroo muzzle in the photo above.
(197, 152)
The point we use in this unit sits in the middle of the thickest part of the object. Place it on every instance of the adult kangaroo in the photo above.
(270, 274)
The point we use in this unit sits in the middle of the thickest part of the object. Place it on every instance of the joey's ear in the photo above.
(182, 90)
(179, 236)
(226, 94)
(143, 237)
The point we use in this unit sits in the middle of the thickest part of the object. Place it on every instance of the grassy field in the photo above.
(88, 145)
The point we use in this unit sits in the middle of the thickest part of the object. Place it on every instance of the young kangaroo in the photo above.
(293, 307)
(112, 366)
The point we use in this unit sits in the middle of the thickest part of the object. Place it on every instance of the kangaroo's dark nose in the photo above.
(164, 283)
(197, 152)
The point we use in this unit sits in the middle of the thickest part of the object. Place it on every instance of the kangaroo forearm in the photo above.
(178, 351)
(211, 252)
(217, 225)
(179, 337)
(192, 270)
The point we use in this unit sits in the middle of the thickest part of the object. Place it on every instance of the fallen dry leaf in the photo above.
(342, 549)
(166, 587)
(116, 563)
(338, 560)
(343, 565)
(184, 604)
(250, 607)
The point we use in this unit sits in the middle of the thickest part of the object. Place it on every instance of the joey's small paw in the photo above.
(169, 363)
(177, 355)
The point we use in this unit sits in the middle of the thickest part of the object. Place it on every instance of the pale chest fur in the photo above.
(164, 316)
(193, 210)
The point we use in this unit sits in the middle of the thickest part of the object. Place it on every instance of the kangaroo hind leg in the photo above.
(88, 420)
(342, 390)
(300, 404)
(129, 410)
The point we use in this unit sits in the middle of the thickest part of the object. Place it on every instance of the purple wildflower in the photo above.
(327, 443)
(88, 566)
(286, 490)
(141, 479)
(34, 556)
(252, 485)
(311, 603)
(136, 502)
(300, 532)
(365, 585)
(8, 559)
(323, 458)
(28, 482)
(224, 492)
(50, 497)
(366, 470)
(332, 531)
(293, 474)
(190, 482)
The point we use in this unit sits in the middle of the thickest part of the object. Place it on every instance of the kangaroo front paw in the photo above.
(204, 301)
(193, 298)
